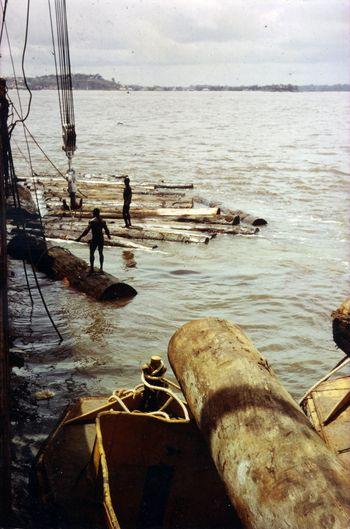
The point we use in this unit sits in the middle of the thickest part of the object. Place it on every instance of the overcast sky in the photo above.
(183, 42)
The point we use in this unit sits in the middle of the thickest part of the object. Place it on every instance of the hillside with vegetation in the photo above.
(82, 81)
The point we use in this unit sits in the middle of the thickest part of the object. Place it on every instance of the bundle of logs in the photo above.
(159, 212)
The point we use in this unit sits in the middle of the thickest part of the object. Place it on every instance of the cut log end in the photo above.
(341, 326)
(259, 222)
(59, 263)
(118, 291)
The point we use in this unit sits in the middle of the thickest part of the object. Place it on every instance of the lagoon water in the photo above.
(283, 156)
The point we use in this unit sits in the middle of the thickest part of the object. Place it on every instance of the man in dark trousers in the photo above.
(127, 201)
(97, 225)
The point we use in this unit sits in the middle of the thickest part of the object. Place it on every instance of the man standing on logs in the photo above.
(127, 201)
(72, 188)
(97, 225)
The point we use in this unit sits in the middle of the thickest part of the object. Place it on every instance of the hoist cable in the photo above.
(3, 19)
(60, 44)
(17, 201)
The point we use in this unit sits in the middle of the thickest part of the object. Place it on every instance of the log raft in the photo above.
(278, 472)
(167, 211)
(59, 263)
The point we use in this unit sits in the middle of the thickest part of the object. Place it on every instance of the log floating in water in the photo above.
(111, 206)
(140, 213)
(173, 186)
(227, 229)
(341, 326)
(231, 214)
(72, 231)
(277, 471)
(59, 263)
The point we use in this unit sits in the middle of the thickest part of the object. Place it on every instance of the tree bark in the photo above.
(59, 263)
(341, 326)
(278, 472)
(247, 218)
(140, 213)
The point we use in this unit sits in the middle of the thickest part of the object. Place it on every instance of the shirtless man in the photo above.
(127, 201)
(97, 225)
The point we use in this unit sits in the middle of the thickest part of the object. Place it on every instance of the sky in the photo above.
(184, 42)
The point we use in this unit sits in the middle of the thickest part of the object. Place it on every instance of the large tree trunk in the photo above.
(341, 326)
(247, 218)
(111, 206)
(140, 233)
(140, 213)
(278, 472)
(59, 263)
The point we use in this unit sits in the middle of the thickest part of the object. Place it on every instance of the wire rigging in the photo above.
(3, 20)
(60, 44)
(21, 223)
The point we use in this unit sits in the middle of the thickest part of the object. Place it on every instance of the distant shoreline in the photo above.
(97, 82)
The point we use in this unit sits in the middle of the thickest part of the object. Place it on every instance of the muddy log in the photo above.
(341, 326)
(278, 472)
(232, 214)
(59, 263)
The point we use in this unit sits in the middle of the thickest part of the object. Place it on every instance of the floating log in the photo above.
(71, 236)
(110, 206)
(277, 471)
(72, 231)
(341, 326)
(173, 186)
(227, 229)
(98, 194)
(84, 182)
(140, 213)
(59, 263)
(232, 214)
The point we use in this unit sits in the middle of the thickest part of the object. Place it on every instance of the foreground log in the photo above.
(341, 326)
(277, 471)
(59, 263)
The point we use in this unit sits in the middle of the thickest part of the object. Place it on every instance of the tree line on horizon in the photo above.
(97, 82)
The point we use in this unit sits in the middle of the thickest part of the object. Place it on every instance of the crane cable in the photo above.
(61, 55)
